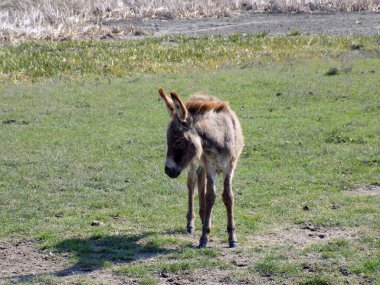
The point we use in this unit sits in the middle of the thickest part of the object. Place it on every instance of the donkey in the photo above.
(205, 135)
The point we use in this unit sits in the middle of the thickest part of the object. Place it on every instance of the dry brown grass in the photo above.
(53, 19)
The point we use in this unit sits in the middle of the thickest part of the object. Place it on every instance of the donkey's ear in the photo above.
(167, 101)
(180, 108)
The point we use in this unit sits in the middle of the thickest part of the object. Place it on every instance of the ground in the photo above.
(365, 23)
(23, 261)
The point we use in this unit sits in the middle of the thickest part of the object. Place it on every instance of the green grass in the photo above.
(29, 61)
(88, 145)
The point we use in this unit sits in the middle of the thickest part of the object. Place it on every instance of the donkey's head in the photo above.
(183, 144)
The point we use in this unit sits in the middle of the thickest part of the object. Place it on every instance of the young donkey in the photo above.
(204, 134)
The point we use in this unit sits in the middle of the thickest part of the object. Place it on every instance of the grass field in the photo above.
(83, 144)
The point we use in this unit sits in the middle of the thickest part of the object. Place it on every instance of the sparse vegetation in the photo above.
(34, 60)
(294, 33)
(50, 19)
(332, 71)
(357, 46)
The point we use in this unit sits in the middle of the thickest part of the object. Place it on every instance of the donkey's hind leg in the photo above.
(228, 199)
(191, 182)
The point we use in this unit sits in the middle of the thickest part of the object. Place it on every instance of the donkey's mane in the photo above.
(202, 103)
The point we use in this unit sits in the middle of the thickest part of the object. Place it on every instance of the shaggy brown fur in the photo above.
(198, 106)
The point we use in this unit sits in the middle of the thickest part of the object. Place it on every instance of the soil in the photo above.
(363, 23)
(25, 259)
(366, 190)
(24, 262)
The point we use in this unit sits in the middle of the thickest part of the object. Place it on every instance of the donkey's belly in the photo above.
(218, 163)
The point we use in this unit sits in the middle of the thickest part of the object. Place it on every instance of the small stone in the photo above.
(96, 223)
(140, 33)
(335, 207)
(9, 121)
(345, 271)
(309, 226)
(164, 274)
(240, 263)
(308, 267)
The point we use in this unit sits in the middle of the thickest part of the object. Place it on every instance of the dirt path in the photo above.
(365, 23)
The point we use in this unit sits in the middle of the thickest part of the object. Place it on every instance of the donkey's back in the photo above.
(219, 129)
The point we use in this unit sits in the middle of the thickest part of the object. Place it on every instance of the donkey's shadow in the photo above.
(97, 252)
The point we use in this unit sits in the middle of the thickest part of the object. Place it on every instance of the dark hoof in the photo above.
(190, 230)
(202, 244)
(233, 244)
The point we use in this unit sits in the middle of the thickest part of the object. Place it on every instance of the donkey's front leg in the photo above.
(228, 199)
(210, 200)
(202, 193)
(191, 182)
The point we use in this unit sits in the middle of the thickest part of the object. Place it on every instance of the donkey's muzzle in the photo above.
(172, 172)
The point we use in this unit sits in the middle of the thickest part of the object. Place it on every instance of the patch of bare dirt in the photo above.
(25, 259)
(276, 24)
(99, 277)
(366, 190)
(303, 236)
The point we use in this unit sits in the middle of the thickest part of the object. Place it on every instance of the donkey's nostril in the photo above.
(172, 172)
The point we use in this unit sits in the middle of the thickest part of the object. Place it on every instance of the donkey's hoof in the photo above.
(233, 244)
(190, 230)
(202, 244)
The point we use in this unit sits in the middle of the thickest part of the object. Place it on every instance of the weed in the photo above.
(332, 71)
(357, 46)
(261, 34)
(294, 33)
(337, 136)
(137, 270)
(266, 268)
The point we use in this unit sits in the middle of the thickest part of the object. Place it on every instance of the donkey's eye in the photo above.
(178, 143)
